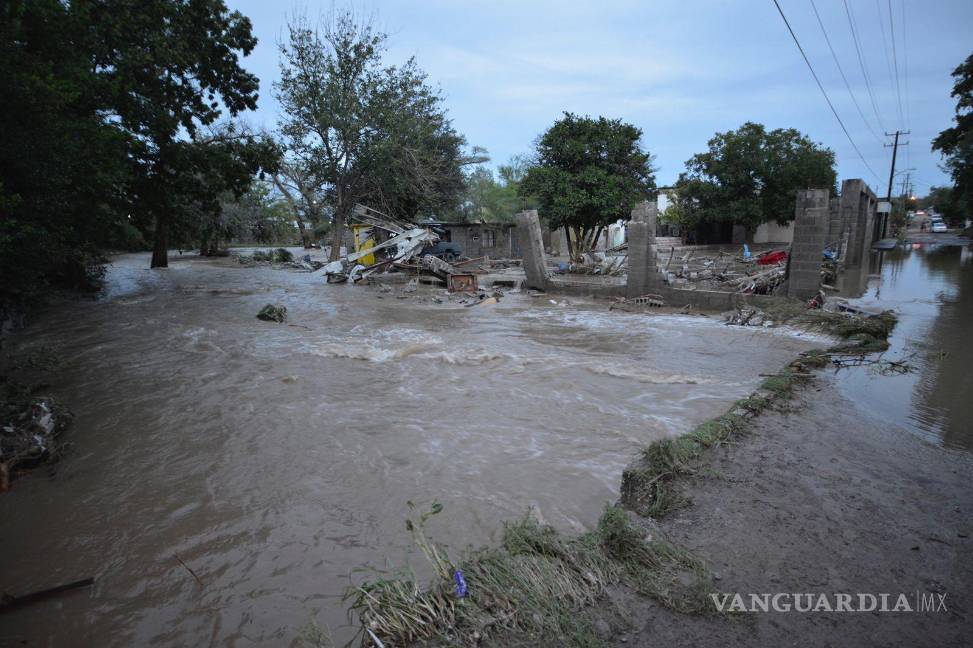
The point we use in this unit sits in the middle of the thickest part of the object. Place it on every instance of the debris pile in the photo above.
(610, 263)
(30, 428)
(743, 273)
(385, 245)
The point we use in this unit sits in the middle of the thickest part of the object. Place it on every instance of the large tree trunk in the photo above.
(337, 234)
(160, 247)
(305, 236)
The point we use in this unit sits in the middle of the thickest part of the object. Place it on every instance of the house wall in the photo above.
(773, 233)
(473, 239)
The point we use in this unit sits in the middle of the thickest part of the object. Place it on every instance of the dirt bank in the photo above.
(822, 499)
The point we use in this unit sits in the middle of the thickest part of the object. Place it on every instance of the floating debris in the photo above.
(272, 313)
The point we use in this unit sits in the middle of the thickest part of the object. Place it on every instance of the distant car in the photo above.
(445, 250)
(938, 226)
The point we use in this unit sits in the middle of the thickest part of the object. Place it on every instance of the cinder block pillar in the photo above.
(858, 205)
(643, 271)
(810, 229)
(535, 260)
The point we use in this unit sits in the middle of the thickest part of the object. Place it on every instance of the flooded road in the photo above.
(275, 459)
(931, 288)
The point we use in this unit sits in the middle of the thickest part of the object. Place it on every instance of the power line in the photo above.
(895, 61)
(885, 47)
(826, 97)
(861, 63)
(843, 77)
(905, 75)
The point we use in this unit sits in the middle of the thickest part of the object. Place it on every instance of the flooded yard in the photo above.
(275, 459)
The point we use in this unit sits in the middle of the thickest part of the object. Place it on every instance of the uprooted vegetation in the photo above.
(860, 333)
(280, 255)
(535, 589)
(30, 430)
(648, 484)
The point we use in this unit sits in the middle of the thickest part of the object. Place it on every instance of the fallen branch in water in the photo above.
(10, 602)
(189, 569)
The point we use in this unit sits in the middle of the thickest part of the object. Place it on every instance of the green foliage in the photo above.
(372, 132)
(589, 172)
(956, 143)
(750, 176)
(115, 102)
(948, 202)
(491, 199)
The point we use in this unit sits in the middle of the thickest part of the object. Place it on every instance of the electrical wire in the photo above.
(861, 63)
(845, 78)
(821, 87)
(895, 62)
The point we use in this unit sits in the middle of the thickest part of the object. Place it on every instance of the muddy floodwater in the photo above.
(274, 460)
(931, 289)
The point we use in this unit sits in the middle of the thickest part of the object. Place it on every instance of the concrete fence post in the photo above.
(643, 271)
(810, 230)
(535, 260)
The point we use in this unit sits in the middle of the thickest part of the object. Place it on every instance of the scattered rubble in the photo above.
(389, 245)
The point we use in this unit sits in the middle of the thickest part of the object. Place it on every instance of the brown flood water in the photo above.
(931, 288)
(275, 460)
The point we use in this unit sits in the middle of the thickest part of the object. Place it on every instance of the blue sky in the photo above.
(680, 71)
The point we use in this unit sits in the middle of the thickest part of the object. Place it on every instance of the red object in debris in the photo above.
(770, 258)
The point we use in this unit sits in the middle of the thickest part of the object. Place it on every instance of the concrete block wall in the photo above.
(643, 270)
(811, 222)
(535, 260)
(857, 206)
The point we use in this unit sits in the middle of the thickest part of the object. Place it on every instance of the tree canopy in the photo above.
(110, 128)
(587, 173)
(496, 197)
(750, 176)
(366, 130)
(956, 143)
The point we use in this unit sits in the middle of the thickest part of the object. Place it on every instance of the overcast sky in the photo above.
(679, 70)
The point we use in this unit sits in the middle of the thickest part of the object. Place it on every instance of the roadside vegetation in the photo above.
(531, 590)
(648, 485)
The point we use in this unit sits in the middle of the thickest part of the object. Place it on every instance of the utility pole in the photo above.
(895, 150)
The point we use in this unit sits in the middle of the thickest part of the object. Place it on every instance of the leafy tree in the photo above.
(167, 68)
(588, 173)
(371, 132)
(946, 201)
(496, 199)
(303, 194)
(104, 117)
(956, 143)
(749, 176)
(63, 168)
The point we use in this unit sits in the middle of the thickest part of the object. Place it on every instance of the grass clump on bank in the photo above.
(860, 333)
(532, 590)
(647, 484)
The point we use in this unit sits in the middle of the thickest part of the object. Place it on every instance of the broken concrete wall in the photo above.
(643, 270)
(811, 222)
(532, 239)
(857, 206)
